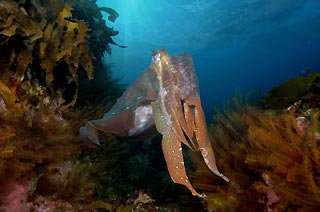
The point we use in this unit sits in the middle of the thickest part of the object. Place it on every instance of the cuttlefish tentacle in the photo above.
(189, 116)
(202, 136)
(180, 117)
(172, 149)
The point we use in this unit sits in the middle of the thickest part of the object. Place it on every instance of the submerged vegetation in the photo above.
(50, 65)
(304, 88)
(270, 156)
(50, 54)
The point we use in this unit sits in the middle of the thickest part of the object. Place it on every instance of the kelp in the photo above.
(51, 43)
(285, 94)
(272, 164)
(99, 204)
(43, 44)
(47, 53)
(65, 41)
(11, 104)
(109, 207)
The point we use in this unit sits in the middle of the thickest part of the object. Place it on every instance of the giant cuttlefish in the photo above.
(165, 95)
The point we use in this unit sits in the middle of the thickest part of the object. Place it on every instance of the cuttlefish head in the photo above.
(160, 59)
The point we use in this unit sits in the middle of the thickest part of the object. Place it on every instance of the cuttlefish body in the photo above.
(165, 95)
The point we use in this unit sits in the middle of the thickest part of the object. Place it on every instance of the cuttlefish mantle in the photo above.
(164, 97)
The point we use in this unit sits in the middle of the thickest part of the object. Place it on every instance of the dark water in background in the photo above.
(250, 44)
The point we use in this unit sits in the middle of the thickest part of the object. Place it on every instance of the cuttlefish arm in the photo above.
(130, 116)
(172, 149)
(196, 118)
(179, 116)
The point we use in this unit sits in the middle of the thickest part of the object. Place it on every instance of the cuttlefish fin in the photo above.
(118, 124)
(172, 150)
(90, 135)
(203, 138)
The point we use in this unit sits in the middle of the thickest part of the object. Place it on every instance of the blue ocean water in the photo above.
(250, 44)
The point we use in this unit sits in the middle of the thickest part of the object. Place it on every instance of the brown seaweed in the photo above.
(285, 94)
(46, 52)
(51, 45)
(271, 163)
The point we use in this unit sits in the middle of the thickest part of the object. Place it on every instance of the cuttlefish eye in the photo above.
(156, 57)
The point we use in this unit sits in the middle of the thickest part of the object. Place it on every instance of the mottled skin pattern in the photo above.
(165, 95)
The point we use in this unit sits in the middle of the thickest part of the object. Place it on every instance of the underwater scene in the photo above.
(159, 106)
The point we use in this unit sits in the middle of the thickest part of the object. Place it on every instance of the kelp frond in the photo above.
(50, 44)
(109, 207)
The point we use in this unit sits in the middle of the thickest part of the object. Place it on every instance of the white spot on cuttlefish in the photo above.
(173, 180)
(204, 153)
(156, 57)
(206, 160)
(163, 93)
